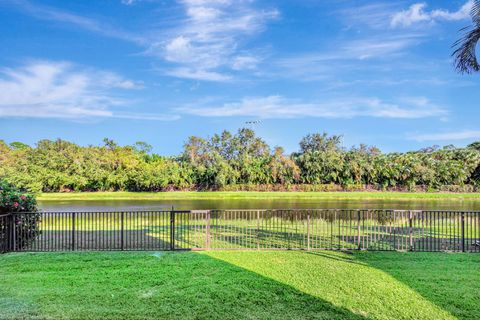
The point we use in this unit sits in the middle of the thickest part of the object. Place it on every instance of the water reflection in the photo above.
(107, 205)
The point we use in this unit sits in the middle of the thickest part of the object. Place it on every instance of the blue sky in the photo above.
(159, 71)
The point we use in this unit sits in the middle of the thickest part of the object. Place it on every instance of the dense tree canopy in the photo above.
(236, 161)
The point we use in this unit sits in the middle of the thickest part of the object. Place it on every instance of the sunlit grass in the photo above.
(256, 195)
(240, 285)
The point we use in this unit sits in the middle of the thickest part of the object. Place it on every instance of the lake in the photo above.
(131, 205)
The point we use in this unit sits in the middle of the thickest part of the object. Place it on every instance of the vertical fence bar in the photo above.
(2, 234)
(308, 230)
(359, 245)
(463, 231)
(14, 233)
(258, 229)
(73, 231)
(477, 242)
(172, 230)
(6, 233)
(122, 231)
(207, 230)
(410, 225)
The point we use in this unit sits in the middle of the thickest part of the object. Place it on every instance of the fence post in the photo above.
(308, 230)
(4, 234)
(122, 230)
(258, 229)
(73, 231)
(207, 229)
(14, 234)
(10, 234)
(358, 230)
(463, 231)
(394, 231)
(172, 230)
(410, 223)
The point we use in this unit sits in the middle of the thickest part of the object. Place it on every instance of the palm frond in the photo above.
(476, 12)
(465, 53)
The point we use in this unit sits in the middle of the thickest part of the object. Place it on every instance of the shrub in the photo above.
(25, 216)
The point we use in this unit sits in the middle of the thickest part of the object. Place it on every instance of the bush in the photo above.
(25, 216)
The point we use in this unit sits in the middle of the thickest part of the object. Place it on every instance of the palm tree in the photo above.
(465, 55)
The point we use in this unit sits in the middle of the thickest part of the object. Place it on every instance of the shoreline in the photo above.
(270, 195)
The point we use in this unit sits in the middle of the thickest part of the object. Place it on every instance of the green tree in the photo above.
(465, 53)
(321, 159)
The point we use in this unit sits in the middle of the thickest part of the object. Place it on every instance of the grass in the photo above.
(207, 195)
(240, 285)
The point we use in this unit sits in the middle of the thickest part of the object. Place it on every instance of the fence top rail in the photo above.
(106, 211)
(391, 211)
(352, 210)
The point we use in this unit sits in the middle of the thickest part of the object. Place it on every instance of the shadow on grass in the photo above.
(451, 281)
(149, 286)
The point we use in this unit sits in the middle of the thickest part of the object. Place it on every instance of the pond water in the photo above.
(126, 205)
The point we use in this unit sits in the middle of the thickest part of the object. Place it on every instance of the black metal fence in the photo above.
(377, 230)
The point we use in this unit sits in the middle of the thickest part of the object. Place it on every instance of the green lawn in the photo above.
(256, 195)
(240, 285)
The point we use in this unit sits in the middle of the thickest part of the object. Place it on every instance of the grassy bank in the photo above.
(257, 195)
(239, 285)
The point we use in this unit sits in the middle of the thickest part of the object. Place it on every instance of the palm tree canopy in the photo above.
(465, 52)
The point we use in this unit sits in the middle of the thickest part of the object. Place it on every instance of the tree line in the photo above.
(236, 161)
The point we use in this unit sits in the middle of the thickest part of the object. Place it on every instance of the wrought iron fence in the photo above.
(376, 230)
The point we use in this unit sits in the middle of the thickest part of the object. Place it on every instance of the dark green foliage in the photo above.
(475, 145)
(13, 200)
(239, 161)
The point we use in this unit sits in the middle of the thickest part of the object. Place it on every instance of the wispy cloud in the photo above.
(358, 57)
(52, 14)
(197, 74)
(45, 89)
(373, 15)
(417, 13)
(370, 47)
(129, 2)
(448, 136)
(206, 43)
(280, 107)
(380, 46)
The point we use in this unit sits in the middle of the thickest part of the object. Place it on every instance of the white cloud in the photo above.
(52, 14)
(358, 58)
(417, 13)
(207, 41)
(245, 62)
(129, 2)
(373, 15)
(448, 136)
(198, 74)
(379, 47)
(278, 107)
(46, 89)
